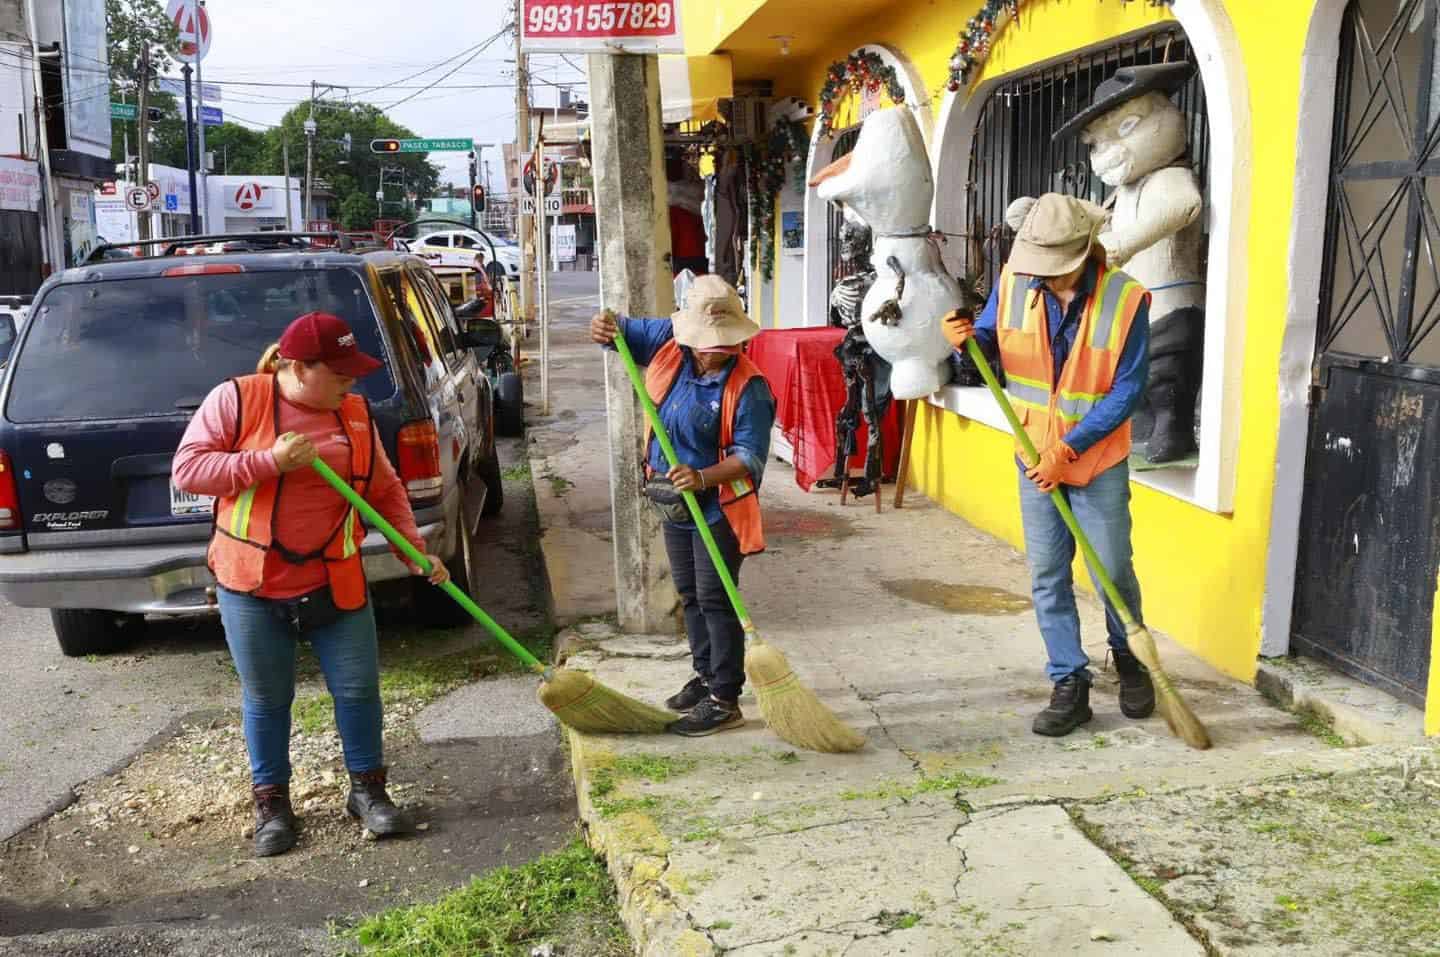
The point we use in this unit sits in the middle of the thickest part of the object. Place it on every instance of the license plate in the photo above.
(188, 503)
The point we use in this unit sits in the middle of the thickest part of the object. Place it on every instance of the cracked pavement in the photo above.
(955, 829)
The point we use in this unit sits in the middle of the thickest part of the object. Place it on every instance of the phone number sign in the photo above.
(601, 26)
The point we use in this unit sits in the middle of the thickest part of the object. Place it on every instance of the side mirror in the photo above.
(482, 334)
(469, 309)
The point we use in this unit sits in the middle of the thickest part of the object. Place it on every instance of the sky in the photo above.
(265, 53)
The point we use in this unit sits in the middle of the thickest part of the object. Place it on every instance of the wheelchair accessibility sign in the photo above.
(172, 203)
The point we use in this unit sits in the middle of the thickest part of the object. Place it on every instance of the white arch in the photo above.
(1222, 70)
(816, 307)
(1319, 64)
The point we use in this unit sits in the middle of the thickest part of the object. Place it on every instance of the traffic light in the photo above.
(384, 146)
(477, 198)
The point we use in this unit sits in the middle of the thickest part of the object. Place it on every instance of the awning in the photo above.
(691, 87)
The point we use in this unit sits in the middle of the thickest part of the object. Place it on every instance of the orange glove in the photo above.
(958, 327)
(1046, 474)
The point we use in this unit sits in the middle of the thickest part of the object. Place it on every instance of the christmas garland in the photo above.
(767, 166)
(973, 47)
(855, 74)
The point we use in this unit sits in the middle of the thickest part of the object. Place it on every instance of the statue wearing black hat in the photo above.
(1137, 139)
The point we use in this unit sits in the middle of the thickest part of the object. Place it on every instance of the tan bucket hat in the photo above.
(713, 316)
(1056, 237)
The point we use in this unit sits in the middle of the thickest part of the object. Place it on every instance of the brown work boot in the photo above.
(1069, 708)
(369, 802)
(275, 823)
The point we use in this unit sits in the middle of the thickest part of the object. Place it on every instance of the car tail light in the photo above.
(9, 497)
(419, 465)
(203, 269)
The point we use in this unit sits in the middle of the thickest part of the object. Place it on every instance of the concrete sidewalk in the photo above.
(955, 830)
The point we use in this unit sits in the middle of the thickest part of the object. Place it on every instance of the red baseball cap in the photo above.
(323, 337)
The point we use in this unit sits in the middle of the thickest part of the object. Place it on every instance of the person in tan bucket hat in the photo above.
(1072, 337)
(718, 409)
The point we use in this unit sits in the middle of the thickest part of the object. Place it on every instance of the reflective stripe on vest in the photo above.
(244, 533)
(739, 499)
(1049, 411)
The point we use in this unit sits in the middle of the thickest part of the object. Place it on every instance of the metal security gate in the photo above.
(845, 142)
(21, 266)
(1370, 521)
(1013, 156)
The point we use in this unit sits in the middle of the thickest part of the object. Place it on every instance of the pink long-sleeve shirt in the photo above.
(309, 510)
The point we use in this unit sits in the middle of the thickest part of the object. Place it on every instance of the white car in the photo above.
(457, 247)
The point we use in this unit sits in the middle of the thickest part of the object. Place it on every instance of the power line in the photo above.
(482, 48)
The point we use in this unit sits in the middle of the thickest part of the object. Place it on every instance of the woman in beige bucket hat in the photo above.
(718, 409)
(1072, 337)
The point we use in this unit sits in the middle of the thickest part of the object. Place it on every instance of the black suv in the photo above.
(116, 355)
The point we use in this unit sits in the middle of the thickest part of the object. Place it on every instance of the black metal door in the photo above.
(1370, 521)
(20, 255)
(845, 141)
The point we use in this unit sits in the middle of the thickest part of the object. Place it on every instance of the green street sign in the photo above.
(124, 111)
(436, 146)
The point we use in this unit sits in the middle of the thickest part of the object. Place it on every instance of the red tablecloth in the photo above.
(809, 392)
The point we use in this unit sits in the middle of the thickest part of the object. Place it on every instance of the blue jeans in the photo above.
(262, 642)
(1103, 510)
(717, 641)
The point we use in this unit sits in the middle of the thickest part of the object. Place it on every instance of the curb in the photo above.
(637, 855)
(1356, 712)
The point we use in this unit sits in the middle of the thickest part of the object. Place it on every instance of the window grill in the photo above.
(845, 142)
(1013, 156)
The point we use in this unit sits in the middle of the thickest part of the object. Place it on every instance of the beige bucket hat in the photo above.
(1056, 237)
(713, 316)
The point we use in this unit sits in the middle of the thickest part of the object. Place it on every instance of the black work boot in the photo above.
(274, 820)
(709, 716)
(1137, 694)
(1069, 708)
(369, 802)
(695, 691)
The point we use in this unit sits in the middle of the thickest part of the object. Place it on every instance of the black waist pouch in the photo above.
(310, 611)
(668, 501)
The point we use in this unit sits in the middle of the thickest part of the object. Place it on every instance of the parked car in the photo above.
(452, 247)
(12, 313)
(115, 357)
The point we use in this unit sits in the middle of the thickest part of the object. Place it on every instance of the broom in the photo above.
(790, 709)
(574, 697)
(1172, 707)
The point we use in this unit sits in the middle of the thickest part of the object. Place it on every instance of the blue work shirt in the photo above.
(1120, 403)
(691, 413)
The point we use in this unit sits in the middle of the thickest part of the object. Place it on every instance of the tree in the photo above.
(239, 150)
(142, 43)
(352, 177)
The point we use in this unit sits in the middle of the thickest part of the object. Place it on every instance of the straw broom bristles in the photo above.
(1172, 707)
(582, 703)
(790, 709)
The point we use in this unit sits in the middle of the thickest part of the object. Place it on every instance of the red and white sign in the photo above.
(137, 199)
(601, 26)
(193, 24)
(152, 188)
(249, 197)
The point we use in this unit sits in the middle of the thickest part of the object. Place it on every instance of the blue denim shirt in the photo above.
(1120, 403)
(691, 413)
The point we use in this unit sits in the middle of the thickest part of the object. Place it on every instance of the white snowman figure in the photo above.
(1137, 139)
(886, 182)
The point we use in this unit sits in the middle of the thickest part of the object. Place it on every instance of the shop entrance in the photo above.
(1370, 519)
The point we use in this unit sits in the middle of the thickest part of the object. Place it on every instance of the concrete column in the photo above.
(631, 215)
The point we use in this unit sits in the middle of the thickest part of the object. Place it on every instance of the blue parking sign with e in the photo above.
(172, 203)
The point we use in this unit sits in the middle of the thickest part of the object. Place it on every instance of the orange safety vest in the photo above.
(244, 530)
(1049, 410)
(739, 499)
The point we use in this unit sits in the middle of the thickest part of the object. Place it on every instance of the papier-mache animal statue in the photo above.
(1138, 146)
(886, 182)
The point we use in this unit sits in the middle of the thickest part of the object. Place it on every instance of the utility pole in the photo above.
(53, 247)
(285, 158)
(635, 280)
(187, 72)
(310, 127)
(200, 118)
(144, 146)
(524, 227)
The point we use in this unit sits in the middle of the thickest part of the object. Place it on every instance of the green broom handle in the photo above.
(412, 553)
(1032, 456)
(658, 427)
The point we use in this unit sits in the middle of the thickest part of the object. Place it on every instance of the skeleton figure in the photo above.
(867, 376)
(1137, 139)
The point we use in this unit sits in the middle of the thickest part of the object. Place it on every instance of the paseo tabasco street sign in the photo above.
(601, 26)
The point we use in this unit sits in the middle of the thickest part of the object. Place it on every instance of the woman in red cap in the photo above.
(289, 565)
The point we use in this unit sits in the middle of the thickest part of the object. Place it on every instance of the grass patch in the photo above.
(1319, 727)
(312, 714)
(721, 925)
(897, 920)
(1375, 838)
(506, 912)
(517, 472)
(959, 781)
(614, 807)
(559, 484)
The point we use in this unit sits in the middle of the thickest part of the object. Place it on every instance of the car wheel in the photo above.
(489, 473)
(433, 606)
(89, 631)
(510, 405)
